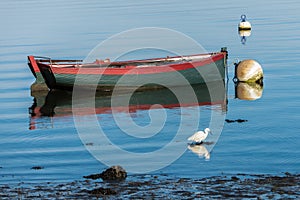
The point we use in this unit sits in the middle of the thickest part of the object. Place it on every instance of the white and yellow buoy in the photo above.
(244, 24)
(248, 71)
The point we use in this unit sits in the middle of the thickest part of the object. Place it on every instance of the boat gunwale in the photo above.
(169, 59)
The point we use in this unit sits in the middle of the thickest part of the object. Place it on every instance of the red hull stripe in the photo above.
(33, 63)
(138, 70)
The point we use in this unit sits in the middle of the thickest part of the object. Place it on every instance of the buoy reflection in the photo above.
(243, 35)
(248, 91)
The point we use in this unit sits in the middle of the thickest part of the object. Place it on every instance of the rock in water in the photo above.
(248, 71)
(114, 173)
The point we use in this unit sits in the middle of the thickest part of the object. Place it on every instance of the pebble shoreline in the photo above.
(239, 186)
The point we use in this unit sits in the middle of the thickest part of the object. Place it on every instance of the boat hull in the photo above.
(209, 69)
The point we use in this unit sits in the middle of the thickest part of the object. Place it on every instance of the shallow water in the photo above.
(267, 143)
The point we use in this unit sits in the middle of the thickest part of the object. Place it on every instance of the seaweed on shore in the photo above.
(161, 186)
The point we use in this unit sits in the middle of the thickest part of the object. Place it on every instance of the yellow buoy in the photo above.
(248, 71)
(244, 24)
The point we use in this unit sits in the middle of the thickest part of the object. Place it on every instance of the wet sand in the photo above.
(239, 186)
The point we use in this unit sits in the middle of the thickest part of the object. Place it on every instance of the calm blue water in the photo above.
(267, 143)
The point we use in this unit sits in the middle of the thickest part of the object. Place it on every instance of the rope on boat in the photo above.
(45, 58)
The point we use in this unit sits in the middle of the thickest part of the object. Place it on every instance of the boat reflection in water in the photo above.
(58, 103)
(248, 91)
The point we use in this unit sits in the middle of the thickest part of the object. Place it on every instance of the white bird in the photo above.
(199, 136)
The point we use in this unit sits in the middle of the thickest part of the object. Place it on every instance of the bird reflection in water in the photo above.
(200, 150)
